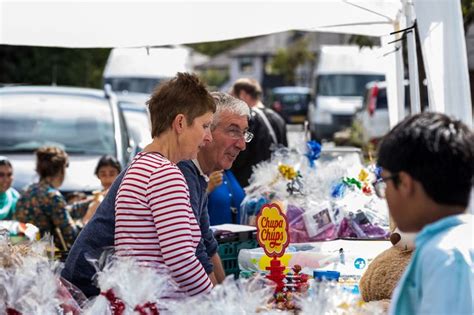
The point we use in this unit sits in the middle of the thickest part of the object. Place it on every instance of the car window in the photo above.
(382, 99)
(126, 147)
(382, 102)
(138, 123)
(78, 124)
(293, 98)
(344, 84)
(137, 85)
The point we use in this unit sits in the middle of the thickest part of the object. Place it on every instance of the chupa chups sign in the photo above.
(272, 230)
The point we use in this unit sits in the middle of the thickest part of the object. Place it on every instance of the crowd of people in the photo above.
(42, 204)
(159, 208)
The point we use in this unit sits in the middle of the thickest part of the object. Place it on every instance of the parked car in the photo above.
(87, 123)
(373, 116)
(341, 75)
(291, 102)
(137, 118)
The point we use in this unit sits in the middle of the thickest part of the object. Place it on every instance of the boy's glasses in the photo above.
(380, 184)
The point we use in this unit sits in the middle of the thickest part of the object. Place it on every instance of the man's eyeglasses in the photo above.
(238, 134)
(380, 184)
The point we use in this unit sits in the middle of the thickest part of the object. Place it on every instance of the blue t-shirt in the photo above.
(440, 276)
(98, 235)
(224, 201)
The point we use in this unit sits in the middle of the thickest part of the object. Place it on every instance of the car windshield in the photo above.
(136, 85)
(345, 84)
(293, 98)
(78, 124)
(138, 122)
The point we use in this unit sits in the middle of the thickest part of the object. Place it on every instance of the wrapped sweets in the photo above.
(129, 288)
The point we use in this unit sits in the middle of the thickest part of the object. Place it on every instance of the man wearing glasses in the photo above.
(230, 135)
(427, 174)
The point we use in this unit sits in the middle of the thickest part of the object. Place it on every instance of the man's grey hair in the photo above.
(227, 103)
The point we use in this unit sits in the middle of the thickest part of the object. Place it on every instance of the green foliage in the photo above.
(45, 65)
(362, 41)
(467, 7)
(286, 61)
(215, 48)
(214, 78)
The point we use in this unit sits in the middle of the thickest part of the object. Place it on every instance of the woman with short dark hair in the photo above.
(154, 221)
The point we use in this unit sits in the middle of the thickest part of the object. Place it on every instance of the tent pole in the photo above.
(412, 61)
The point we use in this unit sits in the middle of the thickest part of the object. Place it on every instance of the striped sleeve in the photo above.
(177, 229)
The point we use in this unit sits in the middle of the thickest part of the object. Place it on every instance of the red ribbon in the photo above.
(142, 309)
(116, 305)
(12, 311)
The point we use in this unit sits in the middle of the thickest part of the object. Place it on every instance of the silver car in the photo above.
(87, 123)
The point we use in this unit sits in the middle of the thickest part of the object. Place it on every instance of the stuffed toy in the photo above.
(383, 274)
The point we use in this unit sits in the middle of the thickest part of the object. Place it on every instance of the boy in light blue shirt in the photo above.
(427, 177)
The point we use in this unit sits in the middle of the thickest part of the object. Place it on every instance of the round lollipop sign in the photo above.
(272, 230)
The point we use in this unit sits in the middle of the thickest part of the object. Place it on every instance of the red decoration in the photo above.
(12, 311)
(116, 305)
(142, 309)
(276, 274)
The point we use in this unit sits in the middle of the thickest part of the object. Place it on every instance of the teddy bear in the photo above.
(383, 274)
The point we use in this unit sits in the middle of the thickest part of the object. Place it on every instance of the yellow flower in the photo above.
(363, 175)
(288, 172)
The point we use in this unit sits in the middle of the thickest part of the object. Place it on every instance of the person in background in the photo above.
(267, 126)
(8, 195)
(427, 163)
(107, 169)
(225, 197)
(43, 205)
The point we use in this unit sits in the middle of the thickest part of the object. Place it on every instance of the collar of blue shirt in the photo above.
(196, 162)
(434, 228)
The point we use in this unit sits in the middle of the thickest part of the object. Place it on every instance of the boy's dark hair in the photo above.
(4, 161)
(108, 160)
(249, 86)
(435, 150)
(184, 94)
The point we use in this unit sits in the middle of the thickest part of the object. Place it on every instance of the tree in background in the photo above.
(214, 78)
(46, 66)
(467, 7)
(72, 66)
(286, 60)
(215, 48)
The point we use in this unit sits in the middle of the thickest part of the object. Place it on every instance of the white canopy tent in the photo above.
(105, 23)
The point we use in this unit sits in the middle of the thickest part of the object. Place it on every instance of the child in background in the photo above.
(427, 165)
(8, 195)
(107, 170)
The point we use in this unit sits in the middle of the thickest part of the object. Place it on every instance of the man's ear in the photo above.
(406, 184)
(179, 123)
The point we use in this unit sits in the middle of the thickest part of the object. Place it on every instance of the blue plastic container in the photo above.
(328, 275)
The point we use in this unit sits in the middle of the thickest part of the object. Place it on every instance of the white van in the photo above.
(341, 75)
(138, 70)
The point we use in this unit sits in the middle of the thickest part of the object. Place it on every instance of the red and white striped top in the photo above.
(155, 224)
